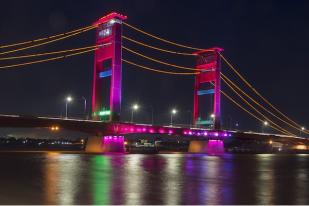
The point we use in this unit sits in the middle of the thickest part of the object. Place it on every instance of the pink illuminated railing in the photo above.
(121, 128)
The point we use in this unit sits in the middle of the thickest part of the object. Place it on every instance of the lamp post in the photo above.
(301, 130)
(85, 107)
(265, 124)
(67, 100)
(212, 116)
(134, 108)
(173, 112)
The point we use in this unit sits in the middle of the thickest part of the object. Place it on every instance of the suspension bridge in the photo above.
(106, 125)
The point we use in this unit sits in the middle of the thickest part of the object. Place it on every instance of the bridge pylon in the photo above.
(209, 63)
(107, 74)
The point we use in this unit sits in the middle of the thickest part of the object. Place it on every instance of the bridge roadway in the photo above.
(107, 128)
(100, 129)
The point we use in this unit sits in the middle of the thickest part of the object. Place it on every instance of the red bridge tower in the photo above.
(106, 91)
(209, 62)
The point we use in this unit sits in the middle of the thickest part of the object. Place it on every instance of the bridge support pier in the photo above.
(212, 147)
(105, 144)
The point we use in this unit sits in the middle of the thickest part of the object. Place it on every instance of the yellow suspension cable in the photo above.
(250, 105)
(45, 38)
(161, 39)
(46, 60)
(257, 103)
(158, 70)
(256, 92)
(232, 100)
(157, 48)
(46, 53)
(158, 61)
(47, 42)
(54, 52)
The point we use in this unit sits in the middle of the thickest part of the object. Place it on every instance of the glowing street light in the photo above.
(135, 107)
(301, 130)
(265, 124)
(173, 112)
(213, 116)
(67, 100)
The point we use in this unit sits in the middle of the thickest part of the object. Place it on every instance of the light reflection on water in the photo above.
(265, 179)
(54, 178)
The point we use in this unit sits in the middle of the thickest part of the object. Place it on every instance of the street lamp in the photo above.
(213, 116)
(173, 112)
(135, 107)
(265, 124)
(301, 130)
(67, 100)
(85, 107)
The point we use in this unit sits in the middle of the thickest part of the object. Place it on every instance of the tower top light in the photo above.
(109, 17)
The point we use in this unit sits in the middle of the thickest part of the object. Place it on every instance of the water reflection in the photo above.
(172, 174)
(155, 179)
(134, 178)
(101, 172)
(265, 182)
(62, 178)
(302, 180)
(207, 180)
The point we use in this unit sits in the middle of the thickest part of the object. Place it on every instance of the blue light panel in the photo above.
(106, 73)
(207, 91)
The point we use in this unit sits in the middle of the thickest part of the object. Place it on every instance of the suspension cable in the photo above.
(45, 38)
(47, 53)
(157, 48)
(250, 105)
(158, 61)
(47, 42)
(165, 63)
(48, 59)
(158, 70)
(256, 92)
(250, 113)
(161, 39)
(54, 52)
(257, 103)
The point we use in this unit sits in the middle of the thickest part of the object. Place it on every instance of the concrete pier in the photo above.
(212, 147)
(105, 144)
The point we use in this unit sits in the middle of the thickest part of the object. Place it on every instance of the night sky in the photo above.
(267, 40)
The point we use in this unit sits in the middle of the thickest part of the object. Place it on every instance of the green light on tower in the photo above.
(104, 113)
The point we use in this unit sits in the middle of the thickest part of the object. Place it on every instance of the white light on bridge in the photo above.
(135, 106)
(69, 99)
(174, 111)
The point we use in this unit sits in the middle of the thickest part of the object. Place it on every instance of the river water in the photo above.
(54, 178)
